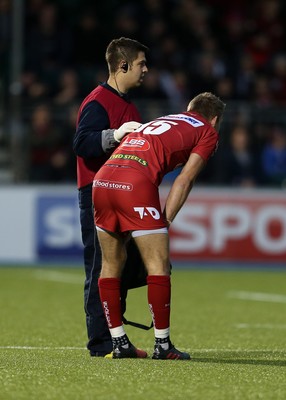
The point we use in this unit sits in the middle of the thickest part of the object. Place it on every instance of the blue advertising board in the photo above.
(57, 228)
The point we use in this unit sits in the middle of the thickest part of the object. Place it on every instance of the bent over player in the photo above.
(126, 201)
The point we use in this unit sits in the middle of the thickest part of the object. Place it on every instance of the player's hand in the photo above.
(127, 127)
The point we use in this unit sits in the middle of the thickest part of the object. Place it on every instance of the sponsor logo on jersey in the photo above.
(146, 211)
(132, 143)
(186, 118)
(112, 185)
(132, 157)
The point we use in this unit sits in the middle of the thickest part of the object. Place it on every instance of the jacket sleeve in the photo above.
(93, 136)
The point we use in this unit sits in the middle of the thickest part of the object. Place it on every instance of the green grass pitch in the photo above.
(232, 322)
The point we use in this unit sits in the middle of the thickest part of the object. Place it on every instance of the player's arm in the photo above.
(182, 186)
(93, 138)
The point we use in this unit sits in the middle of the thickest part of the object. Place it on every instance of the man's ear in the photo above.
(124, 66)
(213, 121)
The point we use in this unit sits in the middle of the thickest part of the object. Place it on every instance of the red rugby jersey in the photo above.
(160, 146)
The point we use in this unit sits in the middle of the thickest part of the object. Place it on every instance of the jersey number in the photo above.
(156, 127)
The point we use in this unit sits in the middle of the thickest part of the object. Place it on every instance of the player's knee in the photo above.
(158, 268)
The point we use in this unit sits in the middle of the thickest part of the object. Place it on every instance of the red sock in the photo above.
(109, 291)
(159, 298)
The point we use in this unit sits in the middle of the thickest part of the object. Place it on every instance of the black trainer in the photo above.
(171, 354)
(130, 352)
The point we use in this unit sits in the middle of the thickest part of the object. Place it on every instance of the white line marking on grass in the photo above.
(56, 276)
(267, 297)
(191, 350)
(260, 326)
(238, 351)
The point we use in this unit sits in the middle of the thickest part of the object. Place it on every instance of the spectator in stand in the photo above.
(191, 23)
(152, 88)
(89, 33)
(44, 137)
(240, 163)
(262, 95)
(154, 92)
(175, 86)
(126, 21)
(68, 88)
(278, 79)
(259, 47)
(33, 88)
(274, 157)
(244, 76)
(268, 18)
(225, 88)
(68, 124)
(207, 72)
(49, 46)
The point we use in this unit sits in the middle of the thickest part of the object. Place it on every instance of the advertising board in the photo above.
(41, 224)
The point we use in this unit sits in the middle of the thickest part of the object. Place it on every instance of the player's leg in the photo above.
(134, 273)
(99, 339)
(113, 259)
(154, 249)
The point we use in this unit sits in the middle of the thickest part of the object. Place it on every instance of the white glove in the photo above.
(127, 127)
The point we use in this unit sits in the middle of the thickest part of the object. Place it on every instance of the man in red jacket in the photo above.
(126, 202)
(102, 112)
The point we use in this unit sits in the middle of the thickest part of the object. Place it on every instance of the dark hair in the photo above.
(208, 106)
(123, 49)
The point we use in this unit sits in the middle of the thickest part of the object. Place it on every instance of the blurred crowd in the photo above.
(235, 49)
